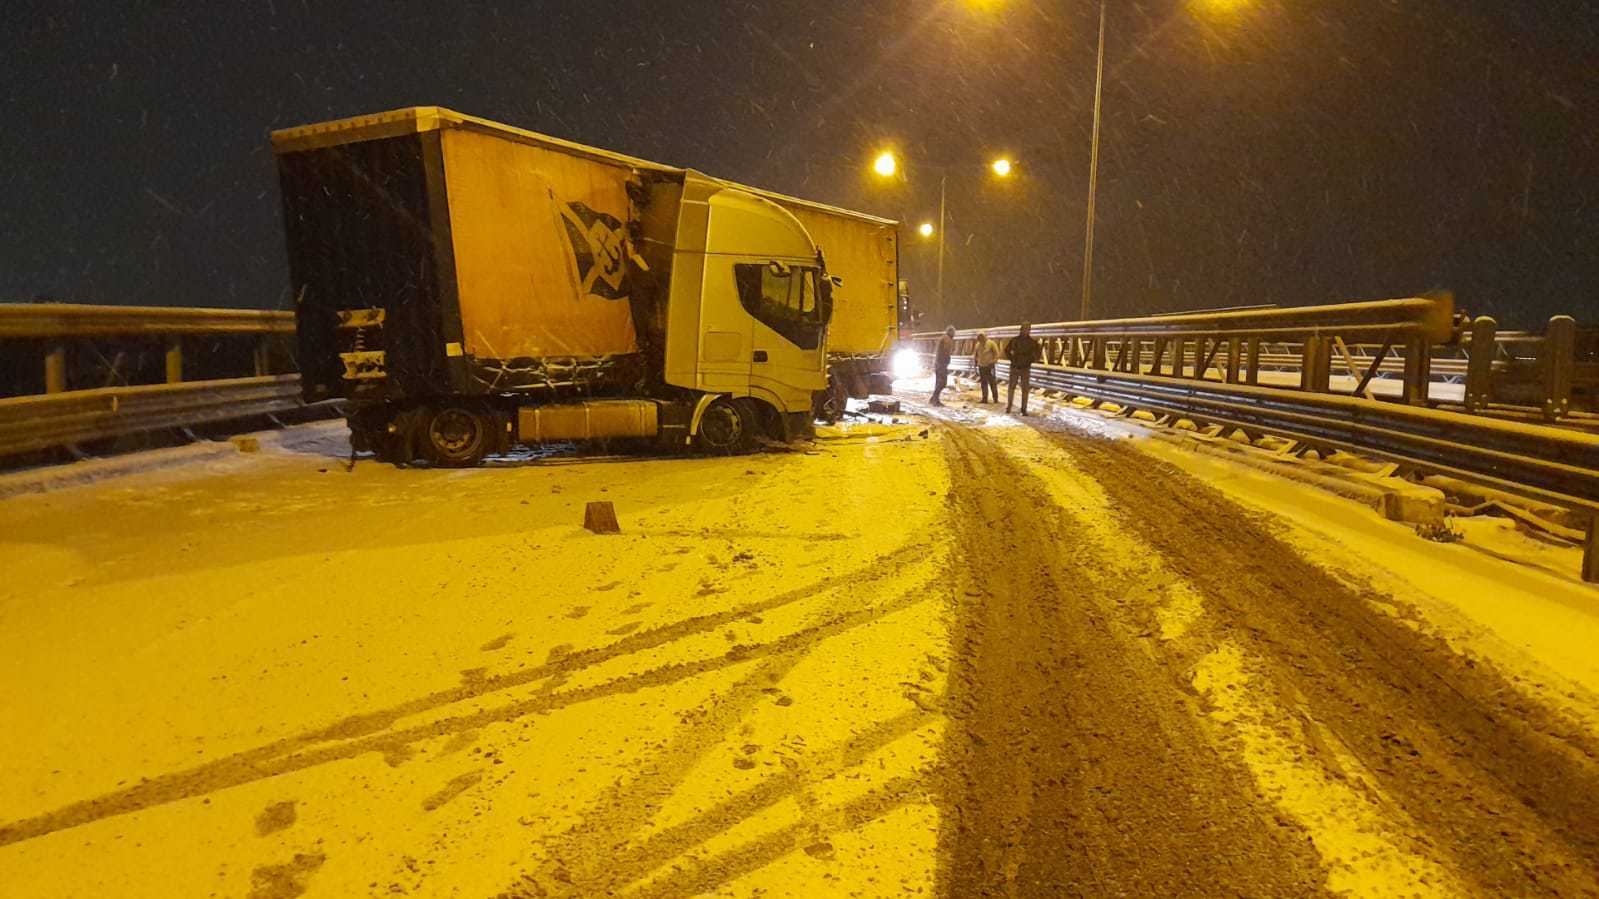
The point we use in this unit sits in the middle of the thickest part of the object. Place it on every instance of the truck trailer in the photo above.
(465, 285)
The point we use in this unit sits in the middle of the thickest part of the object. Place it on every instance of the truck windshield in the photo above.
(784, 298)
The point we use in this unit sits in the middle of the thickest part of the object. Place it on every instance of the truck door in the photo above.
(788, 339)
(726, 351)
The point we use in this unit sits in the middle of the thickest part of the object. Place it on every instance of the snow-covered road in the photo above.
(971, 655)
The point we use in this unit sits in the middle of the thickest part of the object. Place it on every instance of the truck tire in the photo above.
(458, 436)
(726, 429)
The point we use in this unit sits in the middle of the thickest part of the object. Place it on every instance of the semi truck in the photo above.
(466, 285)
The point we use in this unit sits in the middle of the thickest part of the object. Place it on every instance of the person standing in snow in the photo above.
(946, 348)
(1022, 351)
(985, 356)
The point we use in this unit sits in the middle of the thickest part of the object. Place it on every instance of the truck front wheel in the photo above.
(727, 428)
(456, 436)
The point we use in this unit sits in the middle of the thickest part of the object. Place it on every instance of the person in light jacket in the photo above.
(1022, 351)
(985, 355)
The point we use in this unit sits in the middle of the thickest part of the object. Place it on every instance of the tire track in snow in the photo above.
(1077, 763)
(1496, 783)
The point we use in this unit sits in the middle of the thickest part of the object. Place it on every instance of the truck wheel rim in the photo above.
(721, 426)
(455, 432)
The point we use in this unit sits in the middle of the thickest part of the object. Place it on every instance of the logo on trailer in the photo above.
(599, 249)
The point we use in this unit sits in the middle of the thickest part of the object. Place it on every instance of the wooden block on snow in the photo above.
(600, 518)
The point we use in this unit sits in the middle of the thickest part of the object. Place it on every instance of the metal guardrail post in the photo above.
(1315, 368)
(55, 369)
(262, 358)
(174, 360)
(1234, 359)
(1207, 357)
(1559, 357)
(1418, 372)
(1480, 363)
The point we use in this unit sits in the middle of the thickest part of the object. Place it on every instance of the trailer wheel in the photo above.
(458, 436)
(727, 428)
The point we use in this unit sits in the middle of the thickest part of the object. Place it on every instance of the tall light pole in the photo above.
(1093, 171)
(942, 179)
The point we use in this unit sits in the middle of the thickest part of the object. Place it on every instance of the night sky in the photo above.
(1254, 151)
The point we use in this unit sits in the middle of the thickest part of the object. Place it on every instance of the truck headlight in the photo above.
(908, 364)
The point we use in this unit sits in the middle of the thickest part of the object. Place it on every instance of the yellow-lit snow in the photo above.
(262, 674)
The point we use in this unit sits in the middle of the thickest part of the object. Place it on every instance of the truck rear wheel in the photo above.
(457, 436)
(727, 428)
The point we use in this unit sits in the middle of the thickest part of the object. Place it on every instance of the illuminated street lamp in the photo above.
(885, 165)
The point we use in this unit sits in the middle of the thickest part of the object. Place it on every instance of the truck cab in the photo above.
(750, 300)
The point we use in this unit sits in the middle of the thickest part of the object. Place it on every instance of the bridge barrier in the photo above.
(64, 414)
(1414, 349)
(1145, 364)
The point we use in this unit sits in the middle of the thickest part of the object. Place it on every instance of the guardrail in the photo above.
(32, 423)
(1414, 350)
(1555, 373)
(1552, 375)
(1101, 361)
(1230, 344)
(62, 320)
(64, 416)
(57, 325)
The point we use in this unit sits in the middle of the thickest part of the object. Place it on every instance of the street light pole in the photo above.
(941, 307)
(1093, 171)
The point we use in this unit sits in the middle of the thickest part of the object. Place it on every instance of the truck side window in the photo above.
(783, 298)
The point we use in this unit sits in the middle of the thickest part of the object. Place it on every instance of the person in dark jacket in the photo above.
(1021, 351)
(946, 348)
